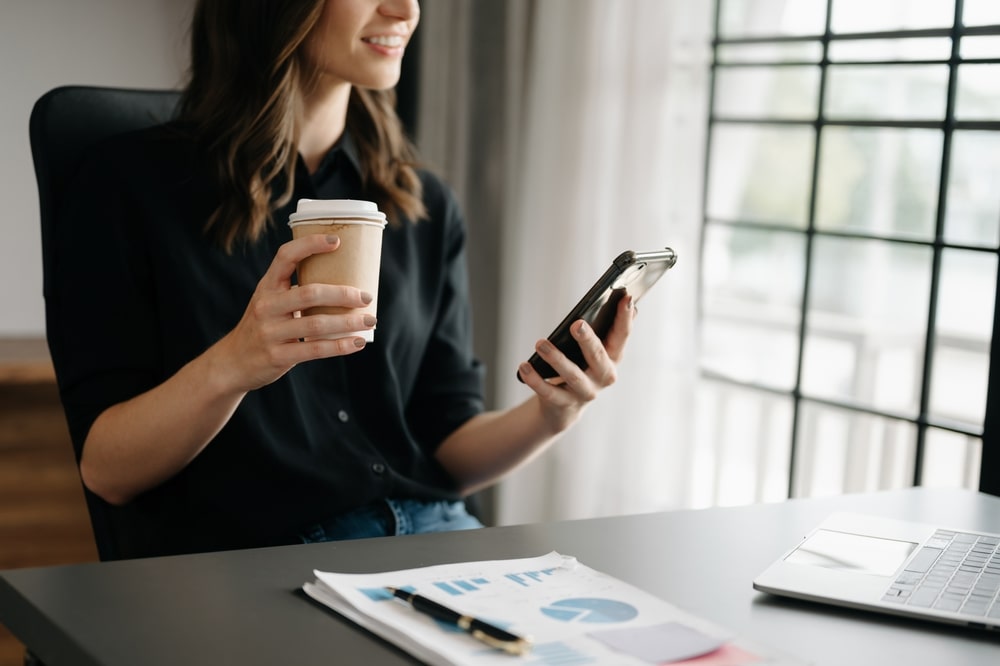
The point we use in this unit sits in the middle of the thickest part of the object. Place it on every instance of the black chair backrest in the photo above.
(64, 124)
(66, 121)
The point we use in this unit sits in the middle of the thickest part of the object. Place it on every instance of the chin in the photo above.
(376, 88)
(379, 81)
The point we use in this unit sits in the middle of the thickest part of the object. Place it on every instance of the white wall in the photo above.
(48, 43)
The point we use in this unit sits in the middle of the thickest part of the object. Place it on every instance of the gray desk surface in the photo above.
(241, 607)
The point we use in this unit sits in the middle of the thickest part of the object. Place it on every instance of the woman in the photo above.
(192, 400)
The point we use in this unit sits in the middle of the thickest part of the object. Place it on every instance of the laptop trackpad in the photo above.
(855, 553)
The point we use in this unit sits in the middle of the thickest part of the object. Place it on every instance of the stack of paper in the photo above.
(571, 613)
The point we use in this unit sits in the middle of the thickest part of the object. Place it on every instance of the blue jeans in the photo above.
(392, 518)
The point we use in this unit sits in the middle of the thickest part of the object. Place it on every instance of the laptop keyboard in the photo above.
(954, 571)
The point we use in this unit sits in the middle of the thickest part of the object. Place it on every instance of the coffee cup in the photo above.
(359, 225)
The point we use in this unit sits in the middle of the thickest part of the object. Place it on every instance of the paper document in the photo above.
(571, 613)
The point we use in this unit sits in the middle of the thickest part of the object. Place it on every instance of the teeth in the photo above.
(391, 41)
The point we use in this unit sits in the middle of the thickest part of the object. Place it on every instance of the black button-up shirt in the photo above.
(137, 290)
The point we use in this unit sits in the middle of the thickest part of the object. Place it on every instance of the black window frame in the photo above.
(989, 433)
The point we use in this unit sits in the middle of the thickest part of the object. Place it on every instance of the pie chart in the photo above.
(590, 610)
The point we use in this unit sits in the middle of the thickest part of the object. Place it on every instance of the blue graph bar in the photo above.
(453, 591)
(459, 587)
(536, 576)
(517, 579)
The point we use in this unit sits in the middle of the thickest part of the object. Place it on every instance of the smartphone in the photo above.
(630, 273)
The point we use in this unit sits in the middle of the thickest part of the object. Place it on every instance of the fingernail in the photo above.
(366, 298)
(628, 303)
(359, 342)
(369, 320)
(332, 239)
(524, 369)
(581, 327)
(544, 347)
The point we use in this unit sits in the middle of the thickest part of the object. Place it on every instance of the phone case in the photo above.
(631, 272)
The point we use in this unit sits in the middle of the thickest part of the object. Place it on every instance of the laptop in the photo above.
(895, 567)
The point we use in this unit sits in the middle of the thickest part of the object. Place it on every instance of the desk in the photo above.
(241, 607)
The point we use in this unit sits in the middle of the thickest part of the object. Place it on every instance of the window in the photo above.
(850, 246)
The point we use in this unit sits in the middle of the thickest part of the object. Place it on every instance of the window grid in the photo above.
(948, 125)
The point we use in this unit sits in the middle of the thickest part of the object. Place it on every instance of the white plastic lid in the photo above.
(322, 209)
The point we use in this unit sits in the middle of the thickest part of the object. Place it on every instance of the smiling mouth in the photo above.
(388, 41)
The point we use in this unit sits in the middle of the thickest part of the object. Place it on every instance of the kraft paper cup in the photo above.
(359, 224)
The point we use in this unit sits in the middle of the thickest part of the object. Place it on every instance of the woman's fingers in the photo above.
(614, 343)
(286, 260)
(601, 356)
(274, 296)
(320, 295)
(299, 351)
(320, 326)
(548, 391)
(570, 377)
(600, 363)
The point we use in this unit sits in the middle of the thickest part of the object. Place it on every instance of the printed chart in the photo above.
(590, 611)
(571, 613)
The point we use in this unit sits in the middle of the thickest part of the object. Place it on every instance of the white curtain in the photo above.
(603, 125)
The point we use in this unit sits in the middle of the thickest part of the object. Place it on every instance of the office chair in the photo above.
(64, 123)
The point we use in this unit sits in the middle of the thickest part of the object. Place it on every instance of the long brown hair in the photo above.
(244, 100)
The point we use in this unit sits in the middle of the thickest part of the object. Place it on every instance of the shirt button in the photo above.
(378, 468)
(342, 415)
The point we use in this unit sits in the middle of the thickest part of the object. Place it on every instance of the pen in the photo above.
(487, 633)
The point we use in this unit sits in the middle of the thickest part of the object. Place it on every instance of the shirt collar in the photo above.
(345, 147)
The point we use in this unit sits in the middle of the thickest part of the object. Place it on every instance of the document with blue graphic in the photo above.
(569, 612)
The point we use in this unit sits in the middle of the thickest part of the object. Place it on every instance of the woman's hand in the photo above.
(564, 397)
(268, 340)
